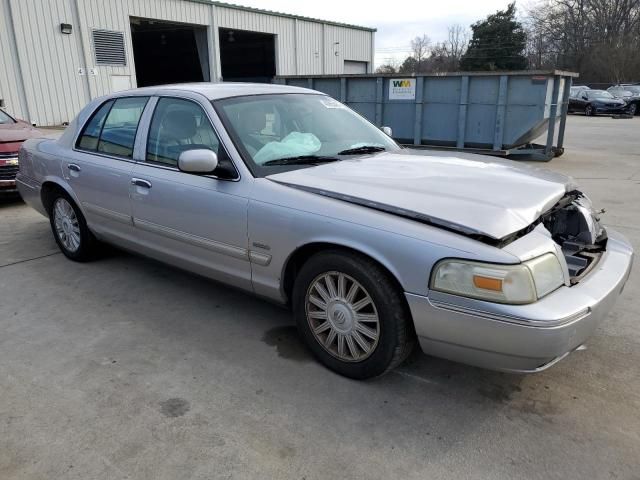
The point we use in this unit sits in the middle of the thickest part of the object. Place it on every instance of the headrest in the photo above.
(253, 119)
(180, 124)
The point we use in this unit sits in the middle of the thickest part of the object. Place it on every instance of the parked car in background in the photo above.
(12, 134)
(630, 93)
(289, 194)
(576, 89)
(593, 102)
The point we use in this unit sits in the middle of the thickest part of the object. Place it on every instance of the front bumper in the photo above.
(522, 338)
(609, 109)
(8, 171)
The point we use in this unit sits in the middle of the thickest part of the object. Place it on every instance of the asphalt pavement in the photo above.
(126, 368)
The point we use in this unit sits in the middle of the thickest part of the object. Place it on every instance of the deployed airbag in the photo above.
(293, 145)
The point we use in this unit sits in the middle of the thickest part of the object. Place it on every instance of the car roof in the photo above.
(215, 91)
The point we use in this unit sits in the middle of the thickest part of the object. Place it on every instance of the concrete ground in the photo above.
(125, 368)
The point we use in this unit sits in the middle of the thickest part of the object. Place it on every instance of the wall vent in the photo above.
(108, 47)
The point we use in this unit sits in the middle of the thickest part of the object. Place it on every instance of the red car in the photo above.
(12, 134)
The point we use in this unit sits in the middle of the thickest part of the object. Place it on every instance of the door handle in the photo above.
(73, 167)
(139, 182)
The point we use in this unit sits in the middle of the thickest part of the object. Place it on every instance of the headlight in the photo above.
(514, 284)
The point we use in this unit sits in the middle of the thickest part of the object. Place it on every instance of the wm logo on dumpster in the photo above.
(401, 83)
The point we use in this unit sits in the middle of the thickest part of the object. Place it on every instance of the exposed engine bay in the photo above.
(576, 228)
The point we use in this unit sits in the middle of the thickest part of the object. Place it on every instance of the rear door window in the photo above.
(119, 130)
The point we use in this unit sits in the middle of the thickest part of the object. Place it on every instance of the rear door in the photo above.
(198, 222)
(99, 171)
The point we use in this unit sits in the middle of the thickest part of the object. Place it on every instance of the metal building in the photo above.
(56, 55)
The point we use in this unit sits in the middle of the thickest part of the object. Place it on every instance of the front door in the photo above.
(198, 222)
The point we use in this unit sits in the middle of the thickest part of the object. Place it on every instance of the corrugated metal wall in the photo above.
(299, 43)
(282, 27)
(94, 15)
(10, 82)
(46, 77)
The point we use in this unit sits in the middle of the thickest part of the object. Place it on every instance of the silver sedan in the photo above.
(289, 194)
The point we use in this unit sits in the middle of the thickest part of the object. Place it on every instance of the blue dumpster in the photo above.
(498, 113)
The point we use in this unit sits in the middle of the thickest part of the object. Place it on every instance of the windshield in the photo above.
(4, 118)
(271, 130)
(598, 94)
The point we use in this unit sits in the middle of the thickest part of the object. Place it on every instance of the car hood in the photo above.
(476, 196)
(13, 134)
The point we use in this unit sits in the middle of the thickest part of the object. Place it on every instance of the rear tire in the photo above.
(351, 315)
(633, 108)
(70, 229)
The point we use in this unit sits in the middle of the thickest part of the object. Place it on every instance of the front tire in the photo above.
(351, 315)
(70, 229)
(589, 111)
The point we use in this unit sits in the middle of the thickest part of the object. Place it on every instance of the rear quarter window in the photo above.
(89, 138)
(112, 129)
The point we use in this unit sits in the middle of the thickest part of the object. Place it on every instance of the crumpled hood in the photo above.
(483, 195)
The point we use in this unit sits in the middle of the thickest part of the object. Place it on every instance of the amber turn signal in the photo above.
(487, 283)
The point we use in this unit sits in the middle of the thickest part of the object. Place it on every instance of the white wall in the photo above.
(40, 77)
(10, 83)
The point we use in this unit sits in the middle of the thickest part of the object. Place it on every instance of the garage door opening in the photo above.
(167, 52)
(247, 56)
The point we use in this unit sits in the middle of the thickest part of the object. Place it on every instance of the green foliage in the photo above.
(498, 43)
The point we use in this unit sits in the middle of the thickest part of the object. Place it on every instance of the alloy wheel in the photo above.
(342, 316)
(66, 224)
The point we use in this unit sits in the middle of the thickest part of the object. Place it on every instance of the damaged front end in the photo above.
(574, 226)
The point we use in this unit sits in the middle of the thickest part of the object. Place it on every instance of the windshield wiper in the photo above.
(363, 149)
(301, 160)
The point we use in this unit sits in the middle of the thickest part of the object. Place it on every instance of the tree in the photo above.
(417, 61)
(445, 56)
(420, 48)
(599, 39)
(498, 43)
(410, 65)
(389, 67)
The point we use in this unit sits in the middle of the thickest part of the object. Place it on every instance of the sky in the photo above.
(397, 21)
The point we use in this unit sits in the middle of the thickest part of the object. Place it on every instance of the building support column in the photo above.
(215, 67)
(82, 53)
(15, 55)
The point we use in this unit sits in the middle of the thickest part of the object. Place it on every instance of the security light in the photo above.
(66, 28)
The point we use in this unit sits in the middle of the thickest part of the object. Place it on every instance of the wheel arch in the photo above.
(300, 255)
(49, 187)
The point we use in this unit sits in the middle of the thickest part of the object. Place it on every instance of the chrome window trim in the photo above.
(145, 136)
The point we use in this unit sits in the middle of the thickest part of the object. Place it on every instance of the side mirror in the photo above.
(387, 131)
(584, 97)
(200, 160)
